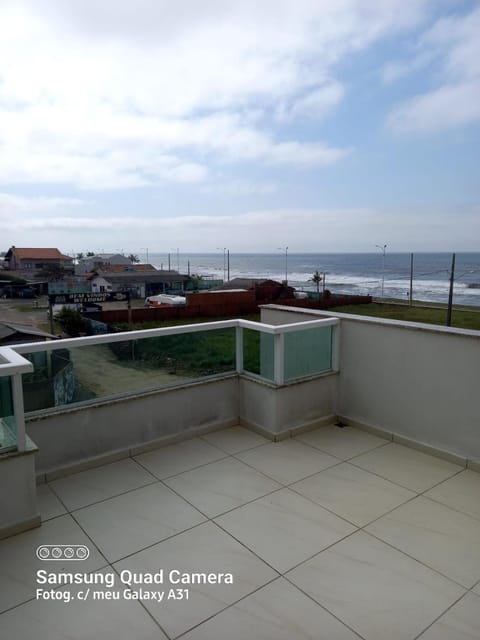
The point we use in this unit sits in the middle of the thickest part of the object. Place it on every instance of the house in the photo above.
(265, 290)
(90, 263)
(140, 280)
(11, 333)
(30, 261)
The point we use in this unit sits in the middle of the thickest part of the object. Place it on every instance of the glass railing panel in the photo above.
(8, 431)
(307, 352)
(258, 353)
(86, 373)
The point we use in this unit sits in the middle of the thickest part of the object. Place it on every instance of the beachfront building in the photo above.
(27, 262)
(99, 260)
(312, 475)
(140, 280)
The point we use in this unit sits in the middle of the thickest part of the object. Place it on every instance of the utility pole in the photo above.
(286, 263)
(450, 293)
(228, 265)
(224, 249)
(411, 279)
(382, 248)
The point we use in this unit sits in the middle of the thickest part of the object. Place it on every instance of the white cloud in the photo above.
(11, 204)
(302, 229)
(238, 188)
(115, 94)
(455, 43)
(315, 104)
(449, 106)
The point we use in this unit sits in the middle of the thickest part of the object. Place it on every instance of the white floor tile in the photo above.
(130, 522)
(352, 493)
(407, 467)
(287, 461)
(99, 483)
(445, 540)
(284, 528)
(80, 620)
(235, 439)
(221, 486)
(344, 442)
(462, 492)
(376, 590)
(461, 622)
(279, 611)
(204, 549)
(176, 458)
(19, 563)
(49, 506)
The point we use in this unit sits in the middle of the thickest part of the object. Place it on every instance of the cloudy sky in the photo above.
(324, 125)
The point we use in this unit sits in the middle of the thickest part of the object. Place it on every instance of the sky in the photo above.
(321, 125)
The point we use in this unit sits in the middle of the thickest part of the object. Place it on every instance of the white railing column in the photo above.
(19, 411)
(335, 357)
(239, 349)
(279, 358)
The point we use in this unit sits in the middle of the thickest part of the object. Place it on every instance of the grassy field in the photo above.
(431, 315)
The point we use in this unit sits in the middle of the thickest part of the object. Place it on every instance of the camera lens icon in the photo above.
(62, 552)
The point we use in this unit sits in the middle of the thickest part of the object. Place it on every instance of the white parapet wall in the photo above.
(417, 381)
(281, 411)
(18, 496)
(81, 435)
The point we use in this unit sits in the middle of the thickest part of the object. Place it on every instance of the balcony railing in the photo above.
(48, 376)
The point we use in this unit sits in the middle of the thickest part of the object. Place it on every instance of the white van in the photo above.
(163, 298)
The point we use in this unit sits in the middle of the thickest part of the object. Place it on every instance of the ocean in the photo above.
(353, 273)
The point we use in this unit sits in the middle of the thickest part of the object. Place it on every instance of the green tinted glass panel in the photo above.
(308, 352)
(258, 353)
(7, 418)
(82, 374)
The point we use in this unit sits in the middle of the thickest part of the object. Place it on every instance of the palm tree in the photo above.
(317, 279)
(133, 258)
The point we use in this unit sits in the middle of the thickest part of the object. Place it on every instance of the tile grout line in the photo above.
(440, 616)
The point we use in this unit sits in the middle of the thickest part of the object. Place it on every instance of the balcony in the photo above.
(328, 531)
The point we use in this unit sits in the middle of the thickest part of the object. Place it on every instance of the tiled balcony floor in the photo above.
(334, 535)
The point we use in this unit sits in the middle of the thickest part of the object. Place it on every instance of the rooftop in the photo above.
(312, 475)
(336, 533)
(34, 253)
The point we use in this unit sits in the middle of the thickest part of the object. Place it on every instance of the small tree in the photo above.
(72, 322)
(133, 258)
(194, 281)
(317, 279)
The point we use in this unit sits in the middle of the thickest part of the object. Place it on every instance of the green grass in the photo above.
(200, 353)
(460, 318)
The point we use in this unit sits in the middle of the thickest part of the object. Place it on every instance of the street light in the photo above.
(286, 262)
(382, 249)
(178, 259)
(224, 261)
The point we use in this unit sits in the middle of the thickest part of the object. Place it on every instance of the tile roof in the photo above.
(38, 254)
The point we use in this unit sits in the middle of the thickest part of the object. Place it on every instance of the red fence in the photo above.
(216, 305)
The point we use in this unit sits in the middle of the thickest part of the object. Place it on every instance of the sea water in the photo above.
(353, 273)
